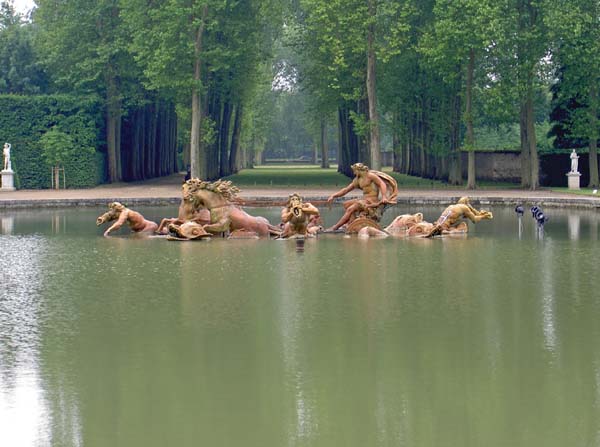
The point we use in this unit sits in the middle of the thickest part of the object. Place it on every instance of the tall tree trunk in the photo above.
(118, 131)
(535, 162)
(142, 145)
(214, 110)
(593, 144)
(529, 155)
(421, 138)
(113, 117)
(197, 156)
(470, 137)
(234, 164)
(396, 147)
(405, 145)
(344, 142)
(374, 146)
(525, 155)
(323, 144)
(455, 156)
(151, 167)
(224, 140)
(361, 143)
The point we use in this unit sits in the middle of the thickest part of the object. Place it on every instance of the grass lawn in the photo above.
(312, 175)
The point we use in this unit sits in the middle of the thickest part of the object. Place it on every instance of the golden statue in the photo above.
(187, 213)
(451, 218)
(122, 214)
(379, 190)
(402, 226)
(220, 199)
(299, 219)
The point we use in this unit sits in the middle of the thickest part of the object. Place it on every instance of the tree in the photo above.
(206, 52)
(57, 148)
(343, 41)
(520, 54)
(463, 31)
(20, 68)
(84, 44)
(576, 38)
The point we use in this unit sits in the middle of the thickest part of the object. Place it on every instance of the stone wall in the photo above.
(500, 166)
(505, 166)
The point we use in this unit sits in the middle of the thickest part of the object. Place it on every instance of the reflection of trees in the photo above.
(22, 409)
(472, 341)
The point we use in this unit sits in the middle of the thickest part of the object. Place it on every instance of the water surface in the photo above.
(486, 340)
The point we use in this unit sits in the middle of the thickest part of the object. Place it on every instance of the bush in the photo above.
(23, 121)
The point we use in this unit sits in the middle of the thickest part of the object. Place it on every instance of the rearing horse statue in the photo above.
(219, 198)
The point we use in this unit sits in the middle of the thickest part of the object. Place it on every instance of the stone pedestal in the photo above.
(8, 180)
(574, 178)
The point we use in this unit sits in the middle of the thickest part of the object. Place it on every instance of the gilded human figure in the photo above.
(123, 215)
(6, 154)
(299, 218)
(451, 218)
(574, 161)
(378, 189)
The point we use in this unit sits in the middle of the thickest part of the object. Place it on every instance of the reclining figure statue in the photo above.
(122, 214)
(451, 218)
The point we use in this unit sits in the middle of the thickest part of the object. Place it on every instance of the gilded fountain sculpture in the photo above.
(210, 209)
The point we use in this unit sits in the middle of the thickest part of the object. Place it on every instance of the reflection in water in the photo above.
(23, 412)
(59, 224)
(596, 364)
(574, 223)
(548, 298)
(7, 224)
(480, 340)
(292, 278)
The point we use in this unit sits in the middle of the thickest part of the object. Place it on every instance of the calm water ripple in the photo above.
(490, 339)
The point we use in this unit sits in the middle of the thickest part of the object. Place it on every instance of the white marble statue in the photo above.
(6, 153)
(574, 161)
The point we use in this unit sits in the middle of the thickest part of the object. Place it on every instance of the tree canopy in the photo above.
(221, 81)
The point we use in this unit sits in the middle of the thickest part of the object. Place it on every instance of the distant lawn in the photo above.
(283, 175)
(313, 176)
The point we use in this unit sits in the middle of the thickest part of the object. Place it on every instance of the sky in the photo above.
(23, 6)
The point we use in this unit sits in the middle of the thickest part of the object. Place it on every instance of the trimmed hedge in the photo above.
(24, 119)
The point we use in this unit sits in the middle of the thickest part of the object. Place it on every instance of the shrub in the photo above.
(25, 119)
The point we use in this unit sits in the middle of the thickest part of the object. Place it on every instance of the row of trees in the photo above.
(209, 58)
(434, 70)
(428, 73)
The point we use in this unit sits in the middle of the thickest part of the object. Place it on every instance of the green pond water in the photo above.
(487, 340)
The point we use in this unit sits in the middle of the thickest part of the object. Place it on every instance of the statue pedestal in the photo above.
(574, 178)
(8, 180)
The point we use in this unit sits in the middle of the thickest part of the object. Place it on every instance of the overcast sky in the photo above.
(23, 5)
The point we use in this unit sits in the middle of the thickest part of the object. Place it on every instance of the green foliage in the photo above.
(507, 137)
(56, 146)
(576, 37)
(31, 117)
(20, 69)
(209, 131)
(84, 44)
(289, 136)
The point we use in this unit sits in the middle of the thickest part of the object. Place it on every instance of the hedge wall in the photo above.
(24, 119)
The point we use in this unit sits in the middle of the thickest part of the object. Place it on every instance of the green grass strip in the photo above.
(314, 176)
